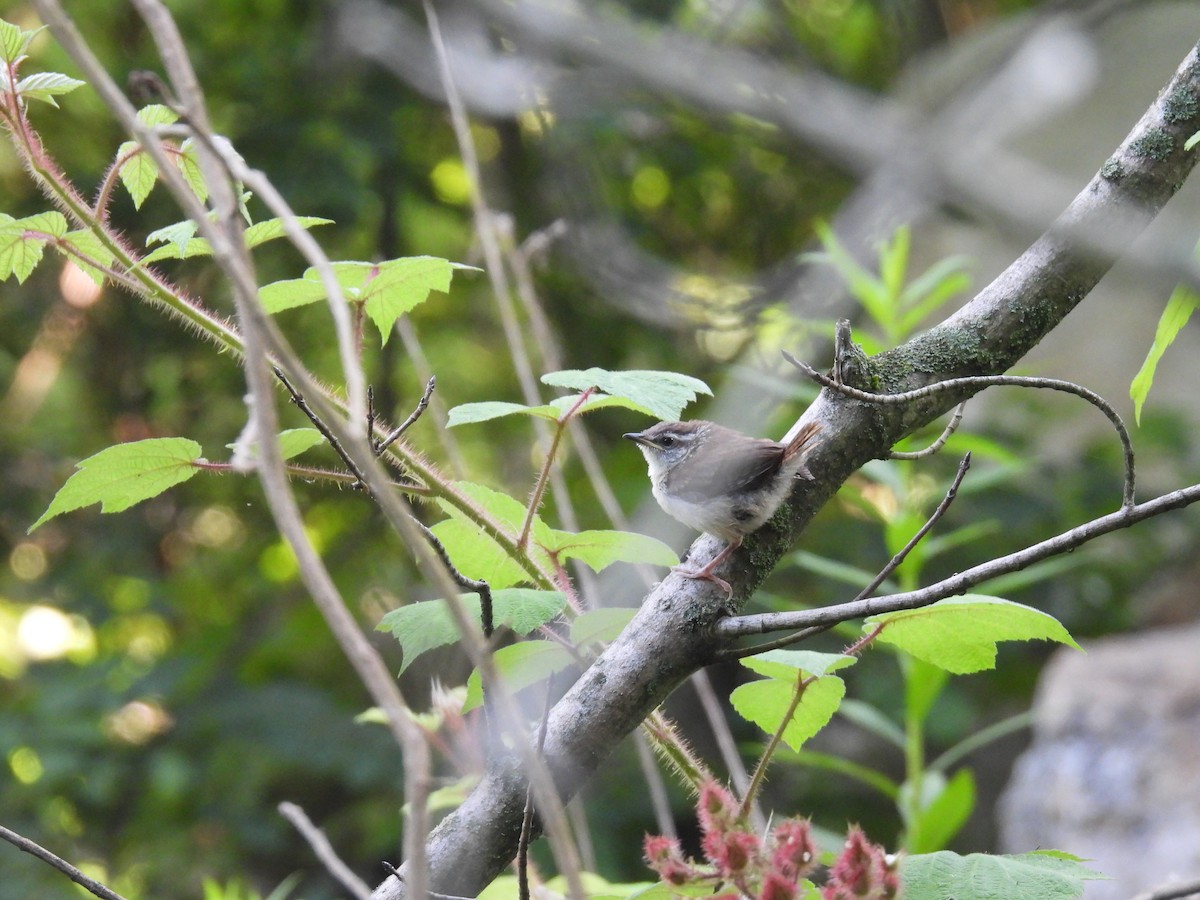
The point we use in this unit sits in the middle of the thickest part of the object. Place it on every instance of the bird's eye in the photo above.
(666, 441)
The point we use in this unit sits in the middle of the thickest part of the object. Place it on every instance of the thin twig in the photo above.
(760, 770)
(34, 849)
(324, 850)
(869, 590)
(826, 616)
(982, 381)
(937, 445)
(382, 446)
(895, 562)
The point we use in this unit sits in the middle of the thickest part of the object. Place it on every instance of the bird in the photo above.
(719, 481)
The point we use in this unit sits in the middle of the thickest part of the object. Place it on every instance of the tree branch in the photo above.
(675, 631)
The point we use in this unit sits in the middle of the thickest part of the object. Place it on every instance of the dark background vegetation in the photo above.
(198, 687)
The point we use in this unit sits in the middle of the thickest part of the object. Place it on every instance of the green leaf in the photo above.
(272, 229)
(765, 702)
(1179, 309)
(138, 172)
(157, 114)
(601, 625)
(121, 476)
(14, 41)
(660, 394)
(420, 627)
(45, 86)
(784, 664)
(477, 555)
(294, 441)
(403, 284)
(471, 413)
(183, 245)
(23, 240)
(941, 813)
(960, 634)
(521, 665)
(600, 549)
(87, 244)
(387, 290)
(1041, 875)
(189, 168)
(178, 235)
(923, 684)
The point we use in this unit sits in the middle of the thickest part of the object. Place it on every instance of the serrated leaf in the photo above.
(138, 172)
(401, 285)
(189, 168)
(177, 235)
(784, 664)
(521, 665)
(45, 86)
(89, 246)
(1028, 876)
(156, 114)
(960, 634)
(477, 555)
(765, 702)
(120, 476)
(272, 229)
(387, 290)
(485, 411)
(22, 242)
(420, 627)
(14, 41)
(660, 394)
(600, 624)
(288, 294)
(1178, 311)
(599, 549)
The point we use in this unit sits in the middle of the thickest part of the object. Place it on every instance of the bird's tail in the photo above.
(800, 444)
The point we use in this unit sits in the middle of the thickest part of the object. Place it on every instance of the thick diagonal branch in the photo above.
(672, 635)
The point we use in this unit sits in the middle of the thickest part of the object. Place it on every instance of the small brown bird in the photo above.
(719, 481)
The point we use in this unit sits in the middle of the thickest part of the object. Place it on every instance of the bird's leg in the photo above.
(706, 574)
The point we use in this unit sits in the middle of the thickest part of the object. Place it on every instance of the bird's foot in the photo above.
(706, 575)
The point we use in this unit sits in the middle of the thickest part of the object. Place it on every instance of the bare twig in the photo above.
(960, 582)
(893, 564)
(324, 850)
(983, 381)
(412, 417)
(951, 427)
(89, 884)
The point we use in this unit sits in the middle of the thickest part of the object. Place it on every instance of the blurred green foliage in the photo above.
(187, 684)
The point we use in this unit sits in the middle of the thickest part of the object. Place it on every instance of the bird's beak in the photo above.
(638, 437)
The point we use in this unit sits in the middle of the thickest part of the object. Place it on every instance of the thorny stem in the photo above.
(760, 770)
(147, 285)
